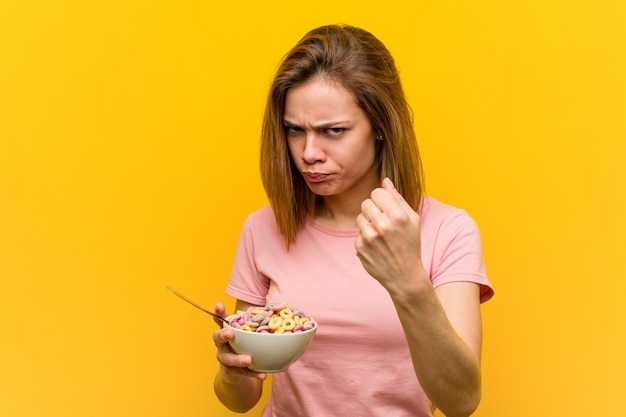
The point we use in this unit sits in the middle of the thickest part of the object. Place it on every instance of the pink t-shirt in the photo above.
(358, 363)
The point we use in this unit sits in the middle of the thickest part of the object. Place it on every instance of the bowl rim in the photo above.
(227, 324)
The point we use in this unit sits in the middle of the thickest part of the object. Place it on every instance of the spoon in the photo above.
(197, 306)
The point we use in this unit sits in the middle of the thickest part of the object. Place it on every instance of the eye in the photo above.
(334, 131)
(292, 130)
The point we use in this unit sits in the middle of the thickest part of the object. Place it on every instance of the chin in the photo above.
(321, 190)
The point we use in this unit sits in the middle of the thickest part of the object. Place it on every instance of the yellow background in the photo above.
(128, 161)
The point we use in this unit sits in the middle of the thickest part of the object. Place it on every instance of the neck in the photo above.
(337, 217)
(341, 211)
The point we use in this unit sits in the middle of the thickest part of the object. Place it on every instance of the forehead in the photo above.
(319, 97)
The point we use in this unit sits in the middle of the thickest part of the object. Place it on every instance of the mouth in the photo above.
(314, 176)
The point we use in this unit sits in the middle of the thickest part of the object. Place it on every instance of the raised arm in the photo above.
(442, 326)
(444, 332)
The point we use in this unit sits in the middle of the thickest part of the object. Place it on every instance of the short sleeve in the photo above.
(457, 254)
(246, 283)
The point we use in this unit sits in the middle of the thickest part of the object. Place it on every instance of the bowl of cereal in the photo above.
(275, 335)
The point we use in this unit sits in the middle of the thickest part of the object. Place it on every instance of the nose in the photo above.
(313, 151)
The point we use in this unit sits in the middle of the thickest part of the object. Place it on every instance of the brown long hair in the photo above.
(359, 62)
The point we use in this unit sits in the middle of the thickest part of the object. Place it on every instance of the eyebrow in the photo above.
(324, 125)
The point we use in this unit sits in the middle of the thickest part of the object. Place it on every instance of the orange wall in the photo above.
(128, 161)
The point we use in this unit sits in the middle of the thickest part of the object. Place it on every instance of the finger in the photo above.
(231, 359)
(237, 372)
(389, 186)
(366, 229)
(234, 364)
(361, 221)
(219, 307)
(384, 205)
(224, 353)
(369, 210)
(220, 310)
(222, 336)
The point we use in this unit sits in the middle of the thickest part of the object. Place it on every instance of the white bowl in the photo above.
(271, 352)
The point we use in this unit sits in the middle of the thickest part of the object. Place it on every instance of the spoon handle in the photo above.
(195, 305)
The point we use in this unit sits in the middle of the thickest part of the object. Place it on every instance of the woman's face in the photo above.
(331, 140)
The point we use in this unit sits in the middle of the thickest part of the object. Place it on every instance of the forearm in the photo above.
(447, 368)
(237, 392)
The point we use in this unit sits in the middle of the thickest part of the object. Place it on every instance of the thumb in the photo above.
(391, 188)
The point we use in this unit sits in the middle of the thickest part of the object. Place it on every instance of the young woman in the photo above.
(394, 278)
